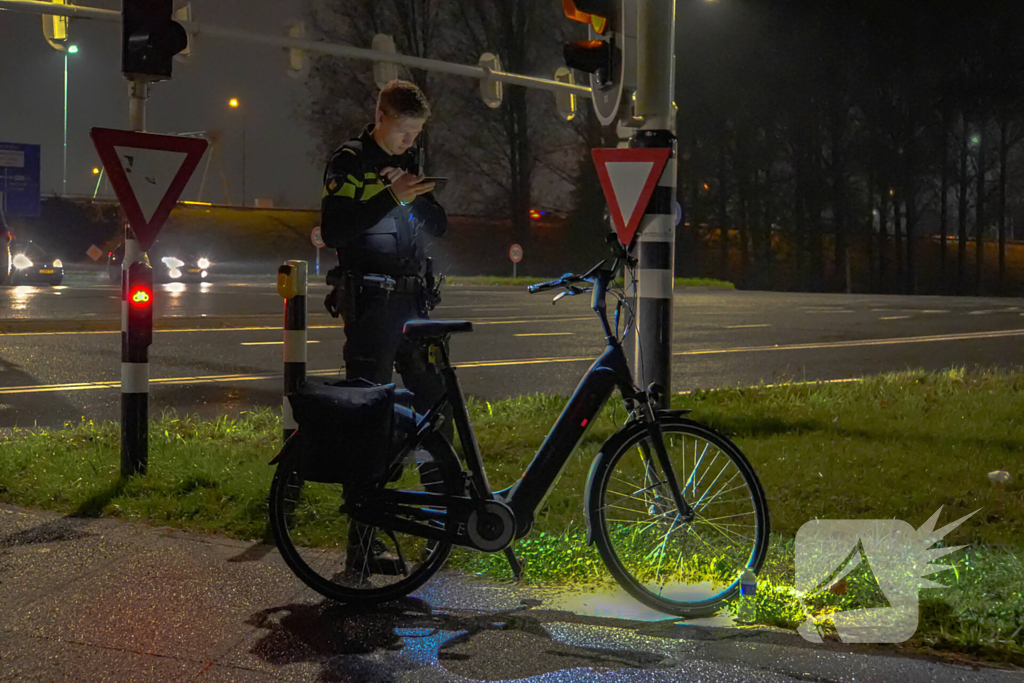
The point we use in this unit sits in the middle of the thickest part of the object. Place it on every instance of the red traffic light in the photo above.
(140, 297)
(590, 56)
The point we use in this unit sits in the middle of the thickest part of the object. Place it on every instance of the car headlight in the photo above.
(57, 263)
(174, 273)
(21, 262)
(173, 263)
(203, 263)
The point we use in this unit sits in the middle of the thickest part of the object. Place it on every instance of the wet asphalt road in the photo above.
(104, 600)
(52, 372)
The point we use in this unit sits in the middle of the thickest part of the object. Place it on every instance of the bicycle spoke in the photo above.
(670, 561)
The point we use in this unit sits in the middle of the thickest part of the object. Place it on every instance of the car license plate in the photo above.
(46, 272)
(193, 270)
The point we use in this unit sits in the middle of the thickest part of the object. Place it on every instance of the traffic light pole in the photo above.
(655, 248)
(134, 341)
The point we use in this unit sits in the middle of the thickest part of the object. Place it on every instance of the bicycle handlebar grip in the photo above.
(542, 286)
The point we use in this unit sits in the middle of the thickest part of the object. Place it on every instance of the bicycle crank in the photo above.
(492, 528)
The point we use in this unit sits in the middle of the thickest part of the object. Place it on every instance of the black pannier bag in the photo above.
(346, 429)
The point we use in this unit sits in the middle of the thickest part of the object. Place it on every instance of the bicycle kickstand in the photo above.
(514, 563)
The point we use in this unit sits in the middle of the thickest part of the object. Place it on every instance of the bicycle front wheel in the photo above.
(316, 537)
(683, 568)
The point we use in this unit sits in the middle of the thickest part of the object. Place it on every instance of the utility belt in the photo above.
(347, 284)
(355, 282)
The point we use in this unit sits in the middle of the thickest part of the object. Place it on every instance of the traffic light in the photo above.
(55, 29)
(140, 305)
(601, 55)
(150, 39)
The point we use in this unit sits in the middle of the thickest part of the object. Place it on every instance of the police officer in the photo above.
(375, 204)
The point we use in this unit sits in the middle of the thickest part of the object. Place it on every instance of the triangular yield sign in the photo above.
(628, 177)
(148, 173)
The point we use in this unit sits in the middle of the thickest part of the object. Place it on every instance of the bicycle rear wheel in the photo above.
(683, 568)
(312, 529)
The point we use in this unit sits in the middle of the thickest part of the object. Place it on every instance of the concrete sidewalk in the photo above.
(104, 600)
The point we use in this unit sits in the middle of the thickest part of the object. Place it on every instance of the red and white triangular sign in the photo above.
(628, 177)
(148, 173)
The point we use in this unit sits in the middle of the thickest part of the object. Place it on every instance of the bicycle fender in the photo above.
(611, 445)
(668, 414)
(289, 445)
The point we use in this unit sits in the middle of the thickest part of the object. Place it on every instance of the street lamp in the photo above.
(72, 50)
(235, 104)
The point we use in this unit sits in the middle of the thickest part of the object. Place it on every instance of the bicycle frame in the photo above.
(527, 495)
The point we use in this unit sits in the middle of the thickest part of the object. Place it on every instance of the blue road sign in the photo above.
(19, 179)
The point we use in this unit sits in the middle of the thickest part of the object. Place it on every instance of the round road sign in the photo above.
(318, 240)
(515, 253)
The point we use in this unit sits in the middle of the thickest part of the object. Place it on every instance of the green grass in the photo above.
(703, 282)
(495, 281)
(894, 446)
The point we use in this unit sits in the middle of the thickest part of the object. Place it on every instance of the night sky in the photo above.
(282, 162)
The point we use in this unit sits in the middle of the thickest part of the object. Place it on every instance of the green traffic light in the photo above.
(73, 49)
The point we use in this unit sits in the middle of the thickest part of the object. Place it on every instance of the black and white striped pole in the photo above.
(291, 285)
(655, 247)
(136, 337)
(136, 324)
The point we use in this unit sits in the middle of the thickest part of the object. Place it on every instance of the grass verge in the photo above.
(893, 446)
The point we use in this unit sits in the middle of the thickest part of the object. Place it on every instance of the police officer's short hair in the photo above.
(404, 100)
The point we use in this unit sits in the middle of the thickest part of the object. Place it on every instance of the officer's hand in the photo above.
(405, 185)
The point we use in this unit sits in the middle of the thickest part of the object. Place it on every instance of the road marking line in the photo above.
(207, 379)
(272, 328)
(740, 327)
(895, 317)
(859, 342)
(310, 341)
(938, 310)
(542, 334)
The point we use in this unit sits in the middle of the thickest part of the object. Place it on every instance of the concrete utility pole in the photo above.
(655, 249)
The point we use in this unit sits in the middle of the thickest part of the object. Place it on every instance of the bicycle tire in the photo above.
(625, 524)
(292, 498)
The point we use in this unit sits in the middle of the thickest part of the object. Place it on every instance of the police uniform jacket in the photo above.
(361, 218)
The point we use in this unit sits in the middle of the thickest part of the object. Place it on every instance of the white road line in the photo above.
(740, 327)
(860, 342)
(829, 311)
(543, 334)
(548, 319)
(206, 379)
(895, 317)
(310, 341)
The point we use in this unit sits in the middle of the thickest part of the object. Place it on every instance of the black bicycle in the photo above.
(673, 506)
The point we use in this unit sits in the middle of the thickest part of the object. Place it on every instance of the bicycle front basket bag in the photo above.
(346, 431)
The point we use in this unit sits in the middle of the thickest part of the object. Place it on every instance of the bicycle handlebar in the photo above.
(566, 280)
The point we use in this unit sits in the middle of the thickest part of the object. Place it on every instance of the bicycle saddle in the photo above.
(432, 329)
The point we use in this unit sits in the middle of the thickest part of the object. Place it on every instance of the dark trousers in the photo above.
(375, 346)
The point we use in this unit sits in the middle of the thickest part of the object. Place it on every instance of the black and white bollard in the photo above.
(655, 103)
(291, 285)
(136, 337)
(655, 250)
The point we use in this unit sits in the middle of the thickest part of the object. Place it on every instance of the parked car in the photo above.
(31, 264)
(169, 265)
